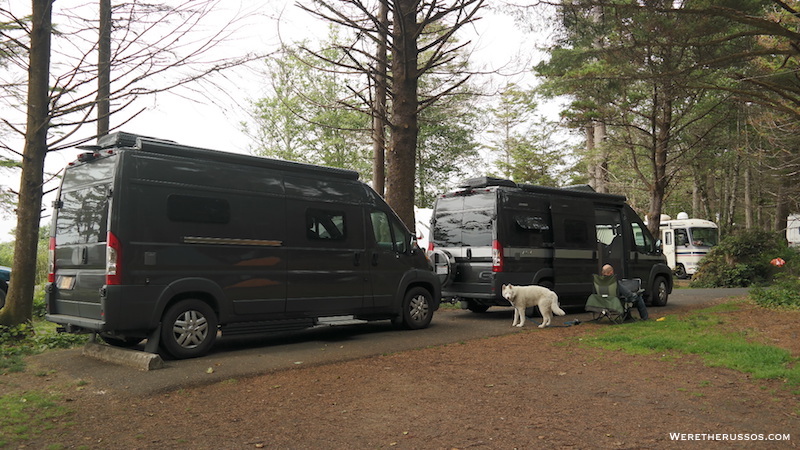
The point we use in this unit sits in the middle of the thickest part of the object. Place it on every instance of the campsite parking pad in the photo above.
(444, 387)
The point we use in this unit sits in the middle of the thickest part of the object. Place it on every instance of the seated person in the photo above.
(626, 293)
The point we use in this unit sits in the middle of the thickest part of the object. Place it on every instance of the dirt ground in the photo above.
(535, 388)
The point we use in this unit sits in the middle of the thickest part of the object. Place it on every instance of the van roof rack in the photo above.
(123, 139)
(482, 182)
(580, 187)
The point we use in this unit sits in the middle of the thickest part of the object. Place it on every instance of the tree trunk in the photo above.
(19, 303)
(379, 108)
(104, 69)
(401, 155)
(601, 157)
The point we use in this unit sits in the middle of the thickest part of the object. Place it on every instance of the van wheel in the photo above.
(188, 329)
(417, 309)
(658, 292)
(680, 272)
(476, 307)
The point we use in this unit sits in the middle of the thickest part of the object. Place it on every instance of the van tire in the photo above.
(476, 307)
(659, 292)
(188, 329)
(417, 309)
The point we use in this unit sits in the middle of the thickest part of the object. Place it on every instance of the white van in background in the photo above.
(793, 230)
(686, 241)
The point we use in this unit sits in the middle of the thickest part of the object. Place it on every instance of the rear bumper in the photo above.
(115, 309)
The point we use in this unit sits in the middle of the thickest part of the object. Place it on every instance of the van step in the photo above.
(339, 320)
(271, 326)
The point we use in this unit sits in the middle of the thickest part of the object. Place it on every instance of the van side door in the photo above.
(575, 252)
(326, 268)
(610, 238)
(387, 255)
(643, 253)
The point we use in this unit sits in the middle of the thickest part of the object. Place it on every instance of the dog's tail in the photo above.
(556, 308)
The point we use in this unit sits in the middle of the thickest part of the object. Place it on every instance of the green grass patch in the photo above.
(25, 416)
(701, 333)
(29, 339)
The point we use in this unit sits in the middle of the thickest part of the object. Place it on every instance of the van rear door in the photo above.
(78, 240)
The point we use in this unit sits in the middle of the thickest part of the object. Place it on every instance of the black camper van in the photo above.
(151, 239)
(493, 231)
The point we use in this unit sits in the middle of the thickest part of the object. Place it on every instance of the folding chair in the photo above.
(605, 301)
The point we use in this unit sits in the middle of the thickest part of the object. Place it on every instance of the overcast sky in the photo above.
(214, 121)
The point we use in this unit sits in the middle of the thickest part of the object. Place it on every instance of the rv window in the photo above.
(476, 228)
(189, 208)
(706, 237)
(389, 235)
(325, 225)
(83, 216)
(681, 238)
(531, 223)
(575, 231)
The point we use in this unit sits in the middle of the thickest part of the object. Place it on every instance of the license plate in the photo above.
(66, 282)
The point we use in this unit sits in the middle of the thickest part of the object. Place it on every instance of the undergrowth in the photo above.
(702, 333)
(29, 339)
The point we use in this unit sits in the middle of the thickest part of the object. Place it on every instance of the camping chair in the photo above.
(605, 301)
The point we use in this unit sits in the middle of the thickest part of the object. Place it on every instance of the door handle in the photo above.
(357, 259)
(375, 259)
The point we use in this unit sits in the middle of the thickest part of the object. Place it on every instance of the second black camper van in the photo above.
(493, 231)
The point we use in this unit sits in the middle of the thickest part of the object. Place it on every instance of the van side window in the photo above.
(190, 208)
(389, 235)
(641, 238)
(325, 225)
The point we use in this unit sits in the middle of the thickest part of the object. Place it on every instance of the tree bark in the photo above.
(19, 303)
(379, 108)
(104, 69)
(401, 156)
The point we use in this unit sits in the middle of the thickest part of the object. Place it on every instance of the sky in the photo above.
(213, 119)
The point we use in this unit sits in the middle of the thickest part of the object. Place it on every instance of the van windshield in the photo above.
(706, 237)
(82, 216)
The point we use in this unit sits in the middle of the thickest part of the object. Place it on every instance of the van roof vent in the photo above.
(481, 182)
(123, 139)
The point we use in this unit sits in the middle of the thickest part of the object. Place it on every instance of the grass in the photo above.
(30, 339)
(702, 333)
(24, 416)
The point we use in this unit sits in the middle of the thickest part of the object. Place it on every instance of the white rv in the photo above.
(793, 230)
(686, 241)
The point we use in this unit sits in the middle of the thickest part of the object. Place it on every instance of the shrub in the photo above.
(785, 293)
(743, 259)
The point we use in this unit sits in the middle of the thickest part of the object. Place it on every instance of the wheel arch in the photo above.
(198, 288)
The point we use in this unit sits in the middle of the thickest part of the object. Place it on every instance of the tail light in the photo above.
(430, 246)
(497, 257)
(51, 258)
(113, 260)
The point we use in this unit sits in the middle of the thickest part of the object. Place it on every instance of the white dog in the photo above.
(522, 297)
